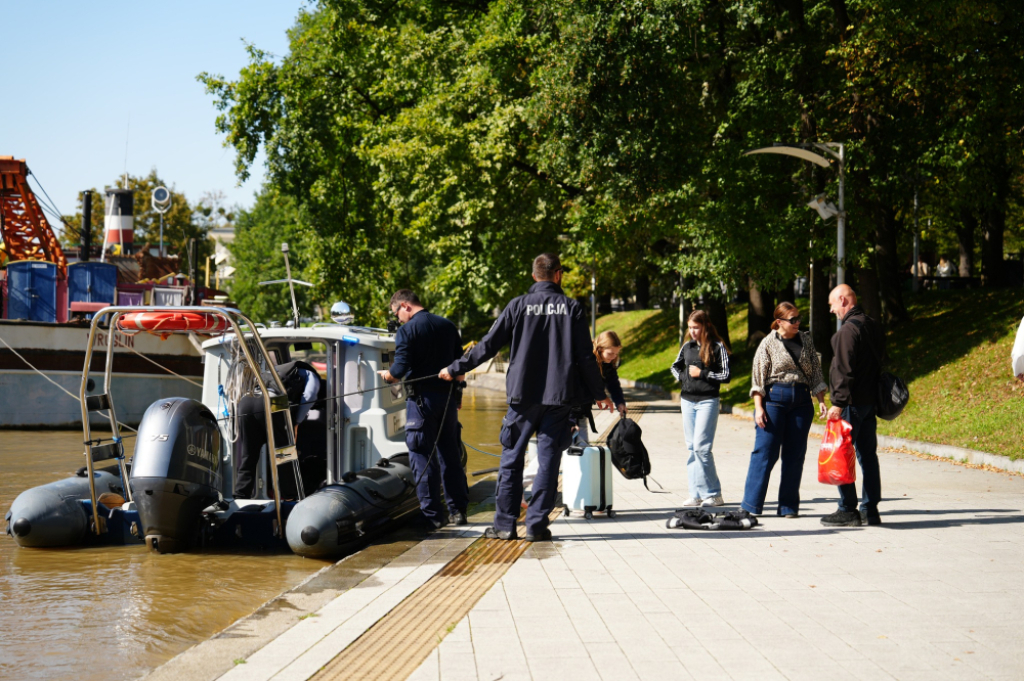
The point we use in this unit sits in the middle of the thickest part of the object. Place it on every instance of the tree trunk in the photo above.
(965, 232)
(643, 291)
(604, 303)
(720, 318)
(868, 296)
(685, 308)
(759, 314)
(890, 288)
(993, 228)
(821, 322)
(664, 290)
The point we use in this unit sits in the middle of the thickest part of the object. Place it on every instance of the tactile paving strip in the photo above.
(418, 624)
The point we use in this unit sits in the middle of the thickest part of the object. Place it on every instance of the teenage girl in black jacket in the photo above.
(701, 367)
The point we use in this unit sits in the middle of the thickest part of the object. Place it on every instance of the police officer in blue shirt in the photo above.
(551, 368)
(424, 345)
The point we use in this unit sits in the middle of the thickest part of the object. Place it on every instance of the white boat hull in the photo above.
(57, 351)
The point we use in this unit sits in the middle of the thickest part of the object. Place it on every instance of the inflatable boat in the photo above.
(339, 479)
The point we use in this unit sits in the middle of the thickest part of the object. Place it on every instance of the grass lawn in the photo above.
(955, 356)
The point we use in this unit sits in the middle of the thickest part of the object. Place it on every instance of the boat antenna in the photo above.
(128, 129)
(291, 283)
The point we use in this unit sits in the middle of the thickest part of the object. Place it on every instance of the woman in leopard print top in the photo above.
(786, 372)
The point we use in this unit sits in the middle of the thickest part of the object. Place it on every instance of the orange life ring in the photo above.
(165, 322)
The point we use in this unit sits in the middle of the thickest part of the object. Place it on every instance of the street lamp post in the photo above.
(841, 226)
(593, 299)
(824, 208)
(917, 247)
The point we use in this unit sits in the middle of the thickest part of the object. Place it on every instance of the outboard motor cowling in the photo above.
(175, 471)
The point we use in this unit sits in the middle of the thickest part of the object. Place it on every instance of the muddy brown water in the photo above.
(115, 613)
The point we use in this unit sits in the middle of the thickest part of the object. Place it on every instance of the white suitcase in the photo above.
(587, 481)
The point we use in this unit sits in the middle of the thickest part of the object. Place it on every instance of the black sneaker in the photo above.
(842, 519)
(869, 518)
(457, 518)
(538, 535)
(491, 533)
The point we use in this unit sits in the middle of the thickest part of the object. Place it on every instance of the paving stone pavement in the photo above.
(932, 594)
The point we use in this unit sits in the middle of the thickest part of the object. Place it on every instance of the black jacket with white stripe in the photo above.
(707, 385)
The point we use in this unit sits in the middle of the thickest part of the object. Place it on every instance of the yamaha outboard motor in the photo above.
(175, 471)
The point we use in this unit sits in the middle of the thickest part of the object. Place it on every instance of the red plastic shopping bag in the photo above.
(837, 460)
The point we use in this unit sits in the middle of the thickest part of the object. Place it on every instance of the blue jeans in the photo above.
(865, 441)
(551, 425)
(700, 419)
(790, 413)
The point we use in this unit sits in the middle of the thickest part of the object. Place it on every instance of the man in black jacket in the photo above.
(301, 384)
(425, 344)
(858, 347)
(551, 368)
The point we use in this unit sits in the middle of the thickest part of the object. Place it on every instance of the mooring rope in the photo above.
(496, 456)
(152, 361)
(58, 385)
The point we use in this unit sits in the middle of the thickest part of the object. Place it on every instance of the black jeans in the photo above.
(865, 441)
(252, 437)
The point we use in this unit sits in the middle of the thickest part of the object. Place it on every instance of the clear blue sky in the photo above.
(76, 72)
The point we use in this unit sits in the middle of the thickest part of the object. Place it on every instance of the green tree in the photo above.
(256, 256)
(441, 146)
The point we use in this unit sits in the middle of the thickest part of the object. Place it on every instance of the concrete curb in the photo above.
(650, 387)
(957, 454)
(486, 380)
(492, 381)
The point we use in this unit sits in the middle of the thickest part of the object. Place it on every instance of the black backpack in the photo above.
(629, 455)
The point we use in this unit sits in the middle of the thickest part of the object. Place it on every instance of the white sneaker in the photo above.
(692, 501)
(714, 501)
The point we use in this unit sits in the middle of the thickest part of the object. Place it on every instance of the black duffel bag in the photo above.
(893, 393)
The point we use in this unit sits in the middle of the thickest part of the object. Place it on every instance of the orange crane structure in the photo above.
(26, 233)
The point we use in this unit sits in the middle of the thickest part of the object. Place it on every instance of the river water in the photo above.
(114, 613)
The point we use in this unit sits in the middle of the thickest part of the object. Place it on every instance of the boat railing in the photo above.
(336, 325)
(100, 451)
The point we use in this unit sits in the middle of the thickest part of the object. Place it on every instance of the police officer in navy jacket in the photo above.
(551, 368)
(424, 345)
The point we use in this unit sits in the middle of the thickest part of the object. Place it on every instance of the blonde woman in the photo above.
(701, 367)
(607, 351)
(786, 373)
